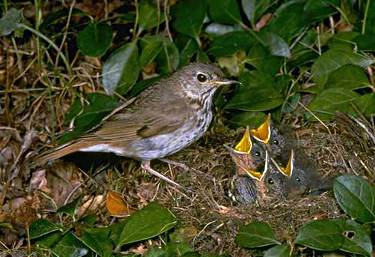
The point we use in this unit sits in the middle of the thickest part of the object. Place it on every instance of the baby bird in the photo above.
(253, 181)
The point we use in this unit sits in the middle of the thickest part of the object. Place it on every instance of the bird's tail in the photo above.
(60, 151)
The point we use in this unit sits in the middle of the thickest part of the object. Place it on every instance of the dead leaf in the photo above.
(117, 206)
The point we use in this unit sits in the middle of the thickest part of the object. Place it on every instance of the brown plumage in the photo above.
(168, 116)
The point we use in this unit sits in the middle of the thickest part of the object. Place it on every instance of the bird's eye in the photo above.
(298, 179)
(275, 142)
(270, 181)
(201, 77)
(257, 153)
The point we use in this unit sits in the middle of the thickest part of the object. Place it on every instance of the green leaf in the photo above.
(365, 103)
(370, 18)
(316, 10)
(71, 207)
(168, 58)
(10, 22)
(149, 52)
(148, 16)
(244, 119)
(190, 47)
(260, 57)
(278, 251)
(255, 93)
(343, 41)
(349, 77)
(98, 240)
(100, 105)
(356, 240)
(289, 21)
(224, 11)
(95, 39)
(365, 42)
(230, 43)
(254, 9)
(256, 234)
(188, 17)
(49, 240)
(323, 235)
(218, 29)
(356, 196)
(330, 100)
(146, 223)
(334, 59)
(275, 44)
(121, 69)
(70, 246)
(42, 227)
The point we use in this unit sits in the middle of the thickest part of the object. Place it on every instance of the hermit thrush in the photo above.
(165, 118)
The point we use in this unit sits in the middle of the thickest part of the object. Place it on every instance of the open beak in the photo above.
(245, 145)
(259, 175)
(263, 132)
(288, 170)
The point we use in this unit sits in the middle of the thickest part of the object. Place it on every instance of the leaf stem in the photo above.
(365, 17)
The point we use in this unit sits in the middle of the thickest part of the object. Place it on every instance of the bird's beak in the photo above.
(259, 175)
(263, 132)
(288, 170)
(245, 145)
(224, 82)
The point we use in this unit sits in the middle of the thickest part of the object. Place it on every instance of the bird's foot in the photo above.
(186, 168)
(146, 166)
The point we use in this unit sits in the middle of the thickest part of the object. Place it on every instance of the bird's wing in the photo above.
(142, 121)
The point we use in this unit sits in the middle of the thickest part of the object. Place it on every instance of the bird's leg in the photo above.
(186, 168)
(146, 166)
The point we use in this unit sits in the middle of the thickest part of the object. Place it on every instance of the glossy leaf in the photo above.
(323, 235)
(255, 8)
(260, 57)
(365, 42)
(365, 103)
(148, 16)
(278, 251)
(256, 93)
(146, 223)
(168, 58)
(356, 196)
(330, 100)
(357, 240)
(230, 43)
(121, 69)
(244, 119)
(95, 39)
(316, 10)
(42, 227)
(275, 44)
(10, 22)
(98, 240)
(334, 59)
(289, 21)
(99, 106)
(71, 246)
(218, 29)
(224, 11)
(150, 52)
(256, 234)
(71, 207)
(348, 77)
(189, 16)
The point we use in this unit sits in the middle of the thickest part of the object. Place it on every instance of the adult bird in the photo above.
(168, 116)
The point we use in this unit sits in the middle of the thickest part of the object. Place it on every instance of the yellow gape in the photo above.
(263, 132)
(288, 170)
(245, 145)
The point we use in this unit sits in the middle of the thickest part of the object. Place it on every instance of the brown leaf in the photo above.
(117, 206)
